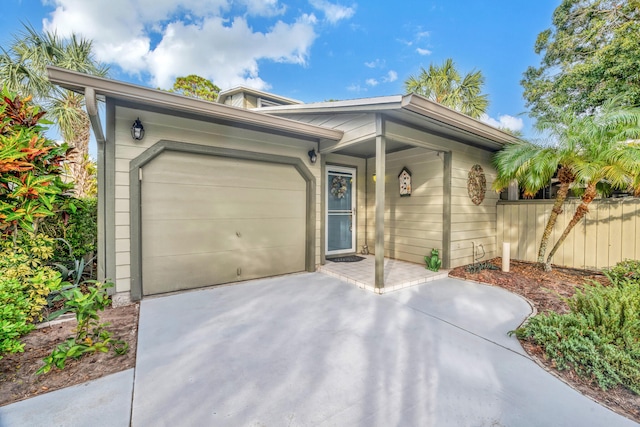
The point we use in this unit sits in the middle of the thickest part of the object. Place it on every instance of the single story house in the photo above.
(258, 185)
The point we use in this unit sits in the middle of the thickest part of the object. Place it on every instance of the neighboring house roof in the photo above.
(223, 95)
(102, 87)
(412, 109)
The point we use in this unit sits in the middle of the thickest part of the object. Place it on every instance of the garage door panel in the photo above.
(172, 168)
(179, 272)
(220, 202)
(198, 270)
(222, 235)
(209, 220)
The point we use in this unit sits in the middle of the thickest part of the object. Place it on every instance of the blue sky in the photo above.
(311, 50)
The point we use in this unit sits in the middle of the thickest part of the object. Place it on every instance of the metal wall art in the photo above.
(476, 184)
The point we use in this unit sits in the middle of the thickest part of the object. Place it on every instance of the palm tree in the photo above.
(23, 70)
(444, 85)
(609, 157)
(533, 166)
(590, 151)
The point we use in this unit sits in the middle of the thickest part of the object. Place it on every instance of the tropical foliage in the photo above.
(445, 85)
(589, 55)
(30, 166)
(592, 154)
(23, 70)
(30, 190)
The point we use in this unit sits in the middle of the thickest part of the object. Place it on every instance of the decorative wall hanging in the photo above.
(404, 180)
(338, 187)
(476, 184)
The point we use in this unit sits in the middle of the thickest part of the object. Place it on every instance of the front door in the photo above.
(341, 210)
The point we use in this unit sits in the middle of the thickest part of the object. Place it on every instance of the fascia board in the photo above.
(77, 82)
(435, 111)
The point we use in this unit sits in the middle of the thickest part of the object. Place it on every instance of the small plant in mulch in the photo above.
(91, 335)
(479, 266)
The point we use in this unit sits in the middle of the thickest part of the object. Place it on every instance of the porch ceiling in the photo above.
(367, 149)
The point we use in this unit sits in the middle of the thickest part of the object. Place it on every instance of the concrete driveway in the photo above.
(307, 350)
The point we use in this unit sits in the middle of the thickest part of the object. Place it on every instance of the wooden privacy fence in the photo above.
(610, 232)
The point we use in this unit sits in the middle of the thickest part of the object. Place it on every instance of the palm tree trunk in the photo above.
(581, 211)
(563, 191)
(78, 155)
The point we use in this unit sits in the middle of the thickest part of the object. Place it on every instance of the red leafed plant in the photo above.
(30, 165)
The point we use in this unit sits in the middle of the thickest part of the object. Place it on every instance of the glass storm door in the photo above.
(341, 210)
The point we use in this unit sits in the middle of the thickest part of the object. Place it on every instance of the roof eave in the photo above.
(78, 82)
(435, 111)
(383, 103)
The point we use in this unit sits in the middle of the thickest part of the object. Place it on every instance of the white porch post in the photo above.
(379, 215)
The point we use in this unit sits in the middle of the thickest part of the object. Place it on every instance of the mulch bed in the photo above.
(18, 379)
(546, 290)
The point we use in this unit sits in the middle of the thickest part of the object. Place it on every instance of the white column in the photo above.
(379, 215)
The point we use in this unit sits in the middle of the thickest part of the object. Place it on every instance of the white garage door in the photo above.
(209, 220)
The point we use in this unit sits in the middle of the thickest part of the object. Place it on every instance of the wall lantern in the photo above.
(137, 130)
(313, 156)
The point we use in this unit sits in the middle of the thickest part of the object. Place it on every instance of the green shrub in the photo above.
(25, 284)
(599, 338)
(77, 224)
(14, 320)
(629, 268)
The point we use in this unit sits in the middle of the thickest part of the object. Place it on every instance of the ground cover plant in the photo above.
(599, 337)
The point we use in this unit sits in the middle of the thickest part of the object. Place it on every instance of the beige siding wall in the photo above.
(471, 225)
(610, 232)
(165, 127)
(413, 225)
(361, 192)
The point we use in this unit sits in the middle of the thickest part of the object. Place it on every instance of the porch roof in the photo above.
(413, 110)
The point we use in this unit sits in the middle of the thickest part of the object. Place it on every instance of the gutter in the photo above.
(79, 82)
(92, 109)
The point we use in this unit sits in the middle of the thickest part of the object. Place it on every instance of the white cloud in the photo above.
(377, 63)
(333, 12)
(423, 51)
(504, 121)
(264, 7)
(371, 82)
(169, 38)
(392, 76)
(356, 88)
